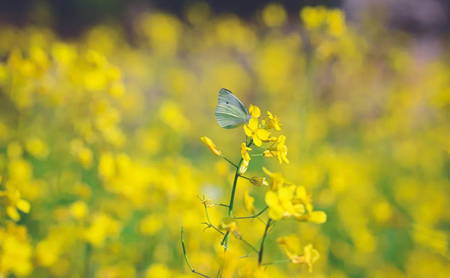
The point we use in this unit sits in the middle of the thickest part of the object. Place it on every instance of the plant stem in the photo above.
(261, 250)
(229, 161)
(209, 224)
(278, 262)
(249, 245)
(233, 192)
(253, 216)
(186, 258)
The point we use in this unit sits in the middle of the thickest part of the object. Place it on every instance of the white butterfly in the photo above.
(231, 112)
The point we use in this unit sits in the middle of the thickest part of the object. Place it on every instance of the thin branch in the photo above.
(268, 232)
(209, 224)
(261, 250)
(277, 262)
(186, 258)
(253, 216)
(235, 166)
(248, 244)
(222, 243)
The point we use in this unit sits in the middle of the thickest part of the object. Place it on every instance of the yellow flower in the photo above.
(253, 131)
(280, 203)
(36, 148)
(248, 202)
(210, 144)
(280, 151)
(244, 152)
(309, 257)
(318, 217)
(102, 226)
(291, 245)
(254, 111)
(313, 17)
(15, 202)
(301, 197)
(274, 121)
(17, 252)
(276, 179)
(79, 210)
(252, 128)
(258, 181)
(274, 15)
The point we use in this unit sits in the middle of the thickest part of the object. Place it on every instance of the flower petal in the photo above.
(13, 213)
(276, 213)
(257, 141)
(263, 134)
(23, 206)
(318, 217)
(271, 198)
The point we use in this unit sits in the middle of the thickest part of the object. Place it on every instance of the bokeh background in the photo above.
(103, 103)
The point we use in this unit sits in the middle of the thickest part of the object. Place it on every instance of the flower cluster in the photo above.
(283, 198)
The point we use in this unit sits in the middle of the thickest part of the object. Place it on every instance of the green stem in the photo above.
(233, 192)
(253, 216)
(248, 244)
(209, 224)
(186, 258)
(229, 161)
(278, 262)
(261, 250)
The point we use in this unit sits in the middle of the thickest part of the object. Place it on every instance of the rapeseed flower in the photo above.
(274, 122)
(291, 247)
(280, 151)
(14, 202)
(253, 130)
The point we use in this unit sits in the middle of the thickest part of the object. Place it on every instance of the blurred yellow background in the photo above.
(101, 158)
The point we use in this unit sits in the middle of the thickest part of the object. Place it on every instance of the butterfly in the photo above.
(231, 112)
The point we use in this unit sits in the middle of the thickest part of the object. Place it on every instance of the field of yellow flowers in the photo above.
(101, 161)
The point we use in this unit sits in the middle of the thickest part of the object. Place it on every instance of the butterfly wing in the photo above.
(229, 116)
(230, 112)
(227, 97)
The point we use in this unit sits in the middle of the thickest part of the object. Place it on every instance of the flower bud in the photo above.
(244, 167)
(212, 147)
(258, 181)
(208, 203)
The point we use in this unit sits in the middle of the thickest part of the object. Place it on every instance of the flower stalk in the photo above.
(261, 249)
